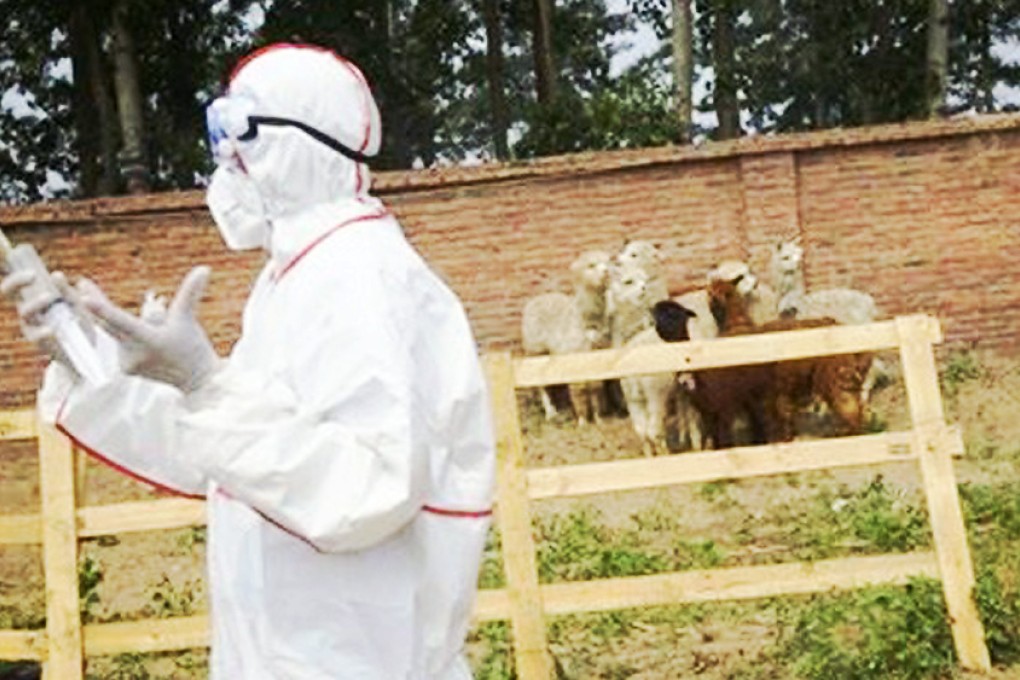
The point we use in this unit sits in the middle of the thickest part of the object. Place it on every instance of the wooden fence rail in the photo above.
(526, 602)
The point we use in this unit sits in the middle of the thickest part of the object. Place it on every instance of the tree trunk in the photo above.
(986, 70)
(134, 164)
(94, 115)
(683, 67)
(494, 76)
(727, 108)
(938, 55)
(81, 31)
(545, 69)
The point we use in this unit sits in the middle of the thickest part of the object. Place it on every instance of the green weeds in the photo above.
(872, 634)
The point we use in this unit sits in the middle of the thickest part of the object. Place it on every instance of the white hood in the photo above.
(300, 180)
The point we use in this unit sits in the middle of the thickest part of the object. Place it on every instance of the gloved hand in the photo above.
(173, 347)
(30, 310)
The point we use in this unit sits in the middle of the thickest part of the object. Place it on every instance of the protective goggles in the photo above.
(232, 118)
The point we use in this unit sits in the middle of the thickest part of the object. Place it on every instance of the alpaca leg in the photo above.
(660, 394)
(689, 428)
(547, 404)
(581, 397)
(637, 407)
(692, 428)
(597, 403)
(577, 403)
(785, 411)
(639, 420)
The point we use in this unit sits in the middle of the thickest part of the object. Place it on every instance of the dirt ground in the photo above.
(160, 573)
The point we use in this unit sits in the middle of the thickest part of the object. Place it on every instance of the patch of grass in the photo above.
(122, 667)
(599, 625)
(577, 547)
(992, 513)
(169, 600)
(190, 538)
(999, 606)
(874, 518)
(992, 508)
(959, 367)
(13, 617)
(715, 491)
(89, 577)
(491, 573)
(698, 554)
(497, 660)
(872, 634)
(656, 518)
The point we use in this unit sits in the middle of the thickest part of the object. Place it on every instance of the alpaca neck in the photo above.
(736, 317)
(592, 306)
(790, 281)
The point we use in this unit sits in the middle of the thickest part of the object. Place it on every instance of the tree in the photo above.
(542, 52)
(410, 53)
(494, 70)
(57, 55)
(975, 68)
(938, 54)
(683, 66)
(33, 135)
(807, 64)
(722, 16)
(583, 47)
(129, 100)
(96, 129)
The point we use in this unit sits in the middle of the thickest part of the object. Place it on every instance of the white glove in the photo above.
(173, 347)
(31, 310)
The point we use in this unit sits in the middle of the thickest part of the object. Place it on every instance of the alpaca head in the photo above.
(736, 272)
(728, 303)
(628, 287)
(640, 254)
(671, 320)
(788, 256)
(591, 270)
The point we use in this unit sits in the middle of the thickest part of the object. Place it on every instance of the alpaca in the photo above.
(845, 305)
(555, 323)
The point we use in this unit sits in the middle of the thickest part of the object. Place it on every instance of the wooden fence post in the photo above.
(920, 376)
(527, 620)
(64, 654)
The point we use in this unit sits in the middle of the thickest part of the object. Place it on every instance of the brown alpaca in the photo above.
(769, 395)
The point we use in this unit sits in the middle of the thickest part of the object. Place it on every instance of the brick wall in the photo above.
(923, 216)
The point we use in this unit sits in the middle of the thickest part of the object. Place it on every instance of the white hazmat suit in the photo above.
(345, 447)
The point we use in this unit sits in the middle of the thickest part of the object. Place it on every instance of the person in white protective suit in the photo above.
(345, 447)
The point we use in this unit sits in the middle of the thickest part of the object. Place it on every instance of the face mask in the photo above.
(237, 208)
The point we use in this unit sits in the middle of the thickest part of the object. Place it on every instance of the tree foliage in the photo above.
(782, 65)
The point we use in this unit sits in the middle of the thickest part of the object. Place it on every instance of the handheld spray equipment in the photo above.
(59, 316)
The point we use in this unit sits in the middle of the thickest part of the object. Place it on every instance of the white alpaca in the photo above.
(845, 305)
(629, 300)
(555, 323)
(649, 398)
(636, 284)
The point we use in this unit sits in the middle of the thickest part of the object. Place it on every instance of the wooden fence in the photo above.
(525, 602)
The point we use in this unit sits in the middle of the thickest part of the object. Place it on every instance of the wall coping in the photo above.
(571, 165)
